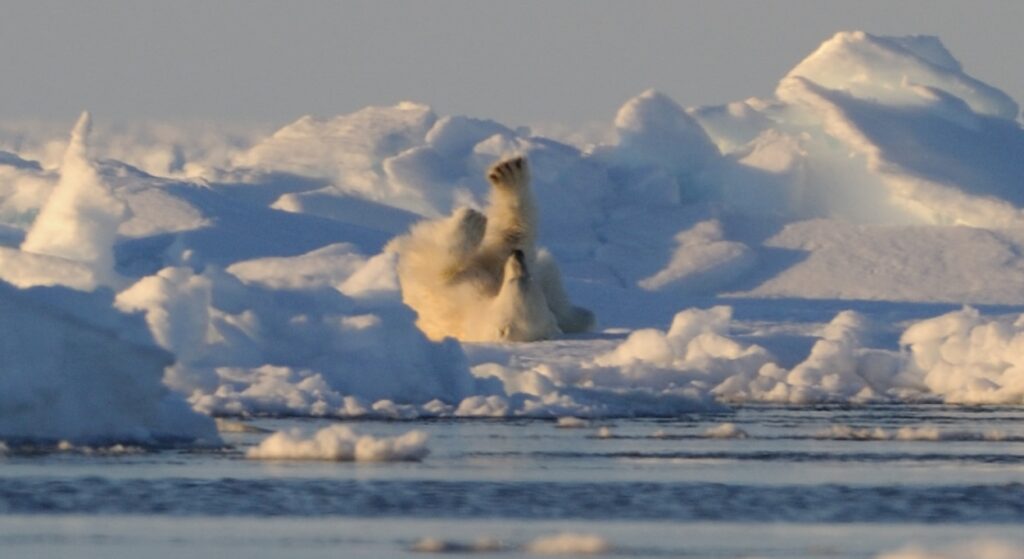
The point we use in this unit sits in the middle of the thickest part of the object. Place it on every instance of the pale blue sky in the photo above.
(515, 61)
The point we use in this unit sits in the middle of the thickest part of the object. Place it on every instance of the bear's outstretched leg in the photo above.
(511, 215)
(571, 319)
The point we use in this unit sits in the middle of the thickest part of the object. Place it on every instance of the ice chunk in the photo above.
(725, 431)
(340, 443)
(569, 543)
(967, 358)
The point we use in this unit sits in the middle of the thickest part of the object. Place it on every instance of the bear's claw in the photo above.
(509, 172)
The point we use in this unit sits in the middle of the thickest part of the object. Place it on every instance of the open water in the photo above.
(823, 482)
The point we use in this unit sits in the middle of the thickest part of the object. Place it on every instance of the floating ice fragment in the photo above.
(437, 545)
(571, 423)
(569, 543)
(340, 443)
(725, 431)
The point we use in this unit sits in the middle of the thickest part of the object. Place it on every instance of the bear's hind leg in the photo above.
(571, 319)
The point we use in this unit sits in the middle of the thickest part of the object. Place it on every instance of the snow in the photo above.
(968, 358)
(703, 261)
(340, 443)
(881, 68)
(76, 370)
(811, 246)
(324, 267)
(80, 218)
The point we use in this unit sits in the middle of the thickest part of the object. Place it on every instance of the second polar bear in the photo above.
(480, 277)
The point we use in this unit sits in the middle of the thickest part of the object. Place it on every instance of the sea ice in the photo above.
(340, 443)
(247, 273)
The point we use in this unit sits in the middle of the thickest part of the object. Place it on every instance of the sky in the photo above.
(519, 62)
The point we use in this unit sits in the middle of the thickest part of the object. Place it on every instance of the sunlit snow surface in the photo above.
(848, 249)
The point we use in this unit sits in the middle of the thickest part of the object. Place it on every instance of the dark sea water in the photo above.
(788, 482)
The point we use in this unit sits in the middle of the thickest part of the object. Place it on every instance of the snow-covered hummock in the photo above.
(340, 443)
(967, 358)
(918, 140)
(73, 369)
(299, 349)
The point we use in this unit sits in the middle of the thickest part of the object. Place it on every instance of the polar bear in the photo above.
(480, 277)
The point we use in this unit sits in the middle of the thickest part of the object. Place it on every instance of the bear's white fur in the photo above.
(480, 277)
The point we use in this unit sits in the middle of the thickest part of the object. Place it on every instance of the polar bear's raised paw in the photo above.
(510, 173)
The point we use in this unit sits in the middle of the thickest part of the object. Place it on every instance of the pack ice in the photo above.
(855, 237)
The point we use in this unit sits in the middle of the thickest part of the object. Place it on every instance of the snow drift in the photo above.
(76, 370)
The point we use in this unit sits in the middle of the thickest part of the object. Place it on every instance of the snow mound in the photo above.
(703, 261)
(339, 443)
(246, 348)
(699, 352)
(76, 370)
(967, 358)
(874, 129)
(884, 69)
(652, 130)
(960, 357)
(349, 151)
